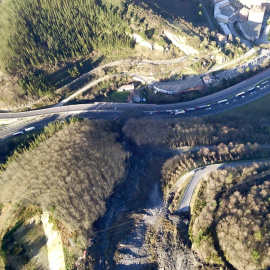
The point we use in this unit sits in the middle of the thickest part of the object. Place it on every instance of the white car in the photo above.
(29, 129)
(18, 133)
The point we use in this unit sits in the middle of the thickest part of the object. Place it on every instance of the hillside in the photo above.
(49, 31)
(46, 44)
(232, 225)
(81, 173)
(70, 174)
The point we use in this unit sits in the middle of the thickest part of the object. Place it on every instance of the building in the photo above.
(217, 13)
(250, 3)
(224, 3)
(207, 80)
(136, 98)
(251, 30)
(128, 87)
(243, 14)
(222, 18)
(221, 38)
(256, 14)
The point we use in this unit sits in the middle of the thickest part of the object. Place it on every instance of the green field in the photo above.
(115, 96)
(259, 108)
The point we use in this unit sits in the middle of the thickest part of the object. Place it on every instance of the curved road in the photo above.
(198, 175)
(228, 93)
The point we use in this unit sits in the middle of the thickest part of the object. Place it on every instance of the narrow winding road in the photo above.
(198, 175)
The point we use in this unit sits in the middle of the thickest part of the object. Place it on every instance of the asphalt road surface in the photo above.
(111, 110)
(199, 174)
(40, 122)
(228, 93)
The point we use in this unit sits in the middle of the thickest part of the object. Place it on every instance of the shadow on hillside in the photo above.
(171, 9)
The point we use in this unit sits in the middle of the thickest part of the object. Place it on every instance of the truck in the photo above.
(240, 94)
(251, 89)
(189, 109)
(202, 106)
(222, 101)
(179, 112)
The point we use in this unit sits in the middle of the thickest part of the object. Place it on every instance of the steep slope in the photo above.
(70, 175)
(37, 32)
(48, 43)
(230, 223)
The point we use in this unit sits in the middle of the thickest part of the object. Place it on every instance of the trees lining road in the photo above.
(108, 111)
(198, 175)
(121, 107)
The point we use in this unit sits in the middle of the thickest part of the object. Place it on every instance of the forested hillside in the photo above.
(233, 225)
(69, 174)
(204, 131)
(45, 44)
(46, 31)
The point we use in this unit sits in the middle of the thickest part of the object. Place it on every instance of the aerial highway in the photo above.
(230, 98)
(111, 111)
(228, 94)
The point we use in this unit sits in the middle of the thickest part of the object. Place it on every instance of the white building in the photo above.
(224, 3)
(217, 12)
(256, 14)
(128, 87)
(207, 79)
(250, 3)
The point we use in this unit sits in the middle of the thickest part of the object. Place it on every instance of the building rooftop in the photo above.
(257, 9)
(225, 29)
(256, 14)
(244, 11)
(126, 87)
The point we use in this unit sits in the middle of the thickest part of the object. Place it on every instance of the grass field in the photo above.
(115, 97)
(259, 108)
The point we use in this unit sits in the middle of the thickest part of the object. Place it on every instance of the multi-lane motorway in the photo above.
(229, 97)
(228, 93)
